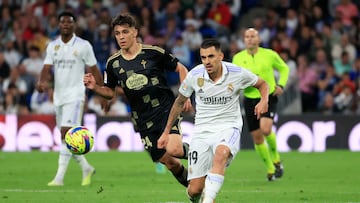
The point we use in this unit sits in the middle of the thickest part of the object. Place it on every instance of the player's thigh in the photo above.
(175, 138)
(200, 158)
(231, 139)
(72, 114)
(174, 142)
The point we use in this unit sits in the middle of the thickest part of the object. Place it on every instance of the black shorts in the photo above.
(150, 137)
(251, 118)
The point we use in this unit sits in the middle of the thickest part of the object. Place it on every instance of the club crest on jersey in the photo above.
(116, 64)
(75, 53)
(200, 82)
(57, 47)
(230, 87)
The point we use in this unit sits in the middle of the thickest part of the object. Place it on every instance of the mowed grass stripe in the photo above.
(126, 177)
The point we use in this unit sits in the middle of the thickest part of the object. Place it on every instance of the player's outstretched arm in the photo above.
(262, 106)
(90, 83)
(174, 113)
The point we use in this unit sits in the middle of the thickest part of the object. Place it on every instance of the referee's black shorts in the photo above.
(251, 119)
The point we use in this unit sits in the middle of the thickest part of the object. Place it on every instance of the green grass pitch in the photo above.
(129, 177)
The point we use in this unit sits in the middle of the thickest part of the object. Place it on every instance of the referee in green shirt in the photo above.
(262, 62)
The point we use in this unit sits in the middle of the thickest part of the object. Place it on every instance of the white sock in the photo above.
(64, 158)
(213, 185)
(85, 166)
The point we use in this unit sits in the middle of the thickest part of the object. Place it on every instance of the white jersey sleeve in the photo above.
(89, 55)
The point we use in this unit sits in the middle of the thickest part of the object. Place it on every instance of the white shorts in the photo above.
(201, 152)
(70, 114)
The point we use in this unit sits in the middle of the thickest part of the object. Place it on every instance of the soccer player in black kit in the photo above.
(140, 70)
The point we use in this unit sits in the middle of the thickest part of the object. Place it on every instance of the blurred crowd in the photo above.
(319, 40)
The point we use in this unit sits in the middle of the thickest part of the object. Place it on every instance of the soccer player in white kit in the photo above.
(218, 121)
(68, 57)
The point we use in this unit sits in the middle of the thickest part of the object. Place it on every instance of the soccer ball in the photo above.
(79, 140)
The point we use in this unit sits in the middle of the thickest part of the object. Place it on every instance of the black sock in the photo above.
(181, 176)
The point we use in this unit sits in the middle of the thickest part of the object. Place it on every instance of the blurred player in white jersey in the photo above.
(218, 121)
(68, 58)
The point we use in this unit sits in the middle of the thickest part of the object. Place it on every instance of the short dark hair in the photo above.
(124, 20)
(66, 13)
(211, 42)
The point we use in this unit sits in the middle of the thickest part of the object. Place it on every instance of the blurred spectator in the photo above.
(11, 55)
(326, 84)
(146, 36)
(4, 68)
(117, 106)
(147, 19)
(102, 46)
(321, 62)
(318, 19)
(305, 40)
(235, 8)
(345, 82)
(343, 100)
(117, 6)
(33, 26)
(30, 68)
(91, 33)
(171, 32)
(307, 85)
(10, 104)
(343, 65)
(52, 28)
(15, 80)
(264, 32)
(201, 8)
(170, 12)
(191, 35)
(39, 40)
(343, 45)
(292, 80)
(104, 16)
(40, 8)
(219, 17)
(355, 72)
(327, 107)
(181, 51)
(15, 89)
(292, 21)
(346, 10)
(43, 103)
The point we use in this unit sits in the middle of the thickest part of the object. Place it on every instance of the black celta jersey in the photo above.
(143, 79)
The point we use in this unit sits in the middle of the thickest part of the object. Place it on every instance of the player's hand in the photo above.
(187, 106)
(162, 141)
(41, 86)
(278, 91)
(260, 108)
(89, 81)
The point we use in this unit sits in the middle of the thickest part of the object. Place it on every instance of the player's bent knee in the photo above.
(194, 190)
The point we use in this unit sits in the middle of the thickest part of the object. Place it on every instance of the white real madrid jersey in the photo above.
(217, 103)
(69, 61)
